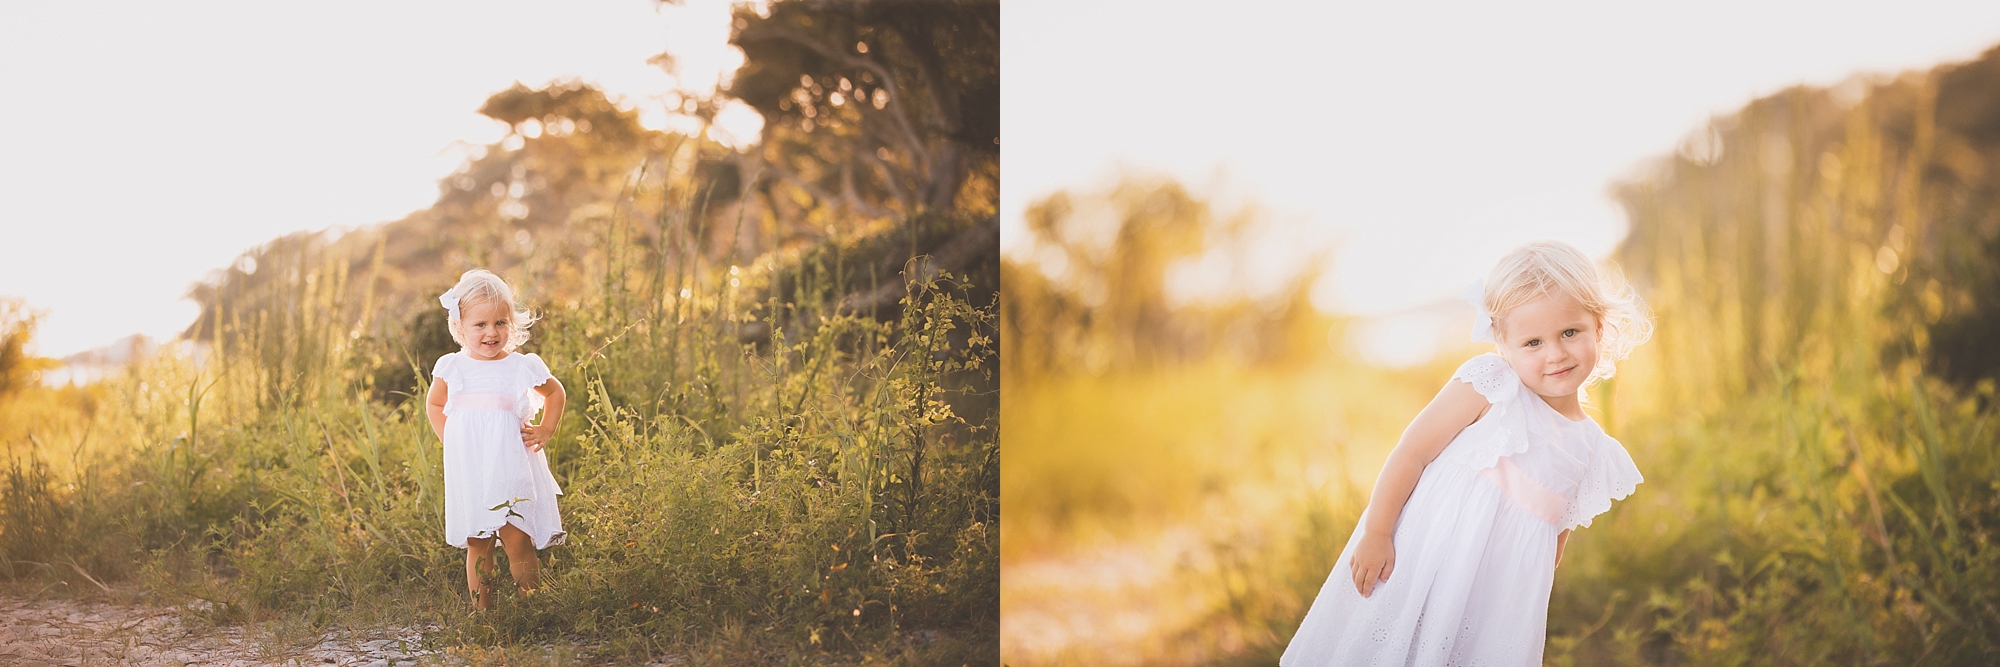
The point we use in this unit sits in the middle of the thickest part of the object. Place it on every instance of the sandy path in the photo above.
(75, 633)
(1115, 606)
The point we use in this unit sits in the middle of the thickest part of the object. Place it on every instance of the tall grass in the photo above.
(754, 468)
(1819, 477)
(1827, 495)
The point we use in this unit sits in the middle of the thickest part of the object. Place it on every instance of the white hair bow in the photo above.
(1482, 321)
(450, 302)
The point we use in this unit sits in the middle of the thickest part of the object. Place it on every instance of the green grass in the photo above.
(825, 491)
(1217, 500)
(1817, 491)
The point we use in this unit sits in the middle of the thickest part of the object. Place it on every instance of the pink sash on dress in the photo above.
(1539, 501)
(483, 402)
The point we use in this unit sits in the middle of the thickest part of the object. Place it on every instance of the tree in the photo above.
(883, 107)
(18, 369)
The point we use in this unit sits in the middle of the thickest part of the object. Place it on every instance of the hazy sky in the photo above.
(143, 144)
(1425, 139)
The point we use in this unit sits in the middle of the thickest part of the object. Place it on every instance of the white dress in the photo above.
(490, 477)
(1476, 543)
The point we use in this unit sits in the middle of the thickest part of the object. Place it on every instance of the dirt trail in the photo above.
(1115, 606)
(79, 633)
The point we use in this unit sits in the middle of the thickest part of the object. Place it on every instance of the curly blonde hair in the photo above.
(1552, 268)
(479, 285)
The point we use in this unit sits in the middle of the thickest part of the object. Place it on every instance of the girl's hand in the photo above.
(536, 435)
(1373, 559)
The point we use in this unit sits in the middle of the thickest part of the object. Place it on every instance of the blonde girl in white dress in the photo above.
(1454, 557)
(497, 483)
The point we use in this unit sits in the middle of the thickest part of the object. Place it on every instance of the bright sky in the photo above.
(1425, 139)
(143, 144)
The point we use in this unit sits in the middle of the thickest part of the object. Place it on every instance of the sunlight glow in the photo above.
(1418, 142)
(189, 133)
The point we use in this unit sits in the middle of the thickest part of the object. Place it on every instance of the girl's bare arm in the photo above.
(434, 405)
(1456, 406)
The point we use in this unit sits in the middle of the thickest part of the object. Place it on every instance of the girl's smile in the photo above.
(485, 328)
(1551, 343)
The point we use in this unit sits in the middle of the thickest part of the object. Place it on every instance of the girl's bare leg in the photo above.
(521, 558)
(479, 565)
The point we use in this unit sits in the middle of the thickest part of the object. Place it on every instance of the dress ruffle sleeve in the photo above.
(1611, 476)
(446, 371)
(1503, 430)
(442, 370)
(1491, 377)
(533, 373)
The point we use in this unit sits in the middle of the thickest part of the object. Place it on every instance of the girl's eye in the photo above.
(1535, 343)
(1569, 333)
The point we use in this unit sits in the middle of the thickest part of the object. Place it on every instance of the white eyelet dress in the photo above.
(490, 477)
(1476, 543)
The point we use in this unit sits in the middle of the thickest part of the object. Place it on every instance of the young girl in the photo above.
(1454, 557)
(496, 476)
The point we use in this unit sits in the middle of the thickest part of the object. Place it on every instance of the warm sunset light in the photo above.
(1726, 395)
(499, 333)
(160, 140)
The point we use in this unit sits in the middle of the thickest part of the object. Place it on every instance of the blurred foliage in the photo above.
(1784, 206)
(781, 443)
(1159, 442)
(1814, 418)
(1819, 269)
(18, 369)
(1093, 294)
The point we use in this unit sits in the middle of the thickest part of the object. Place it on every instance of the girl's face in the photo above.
(484, 327)
(1551, 343)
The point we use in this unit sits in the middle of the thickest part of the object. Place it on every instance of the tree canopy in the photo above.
(883, 106)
